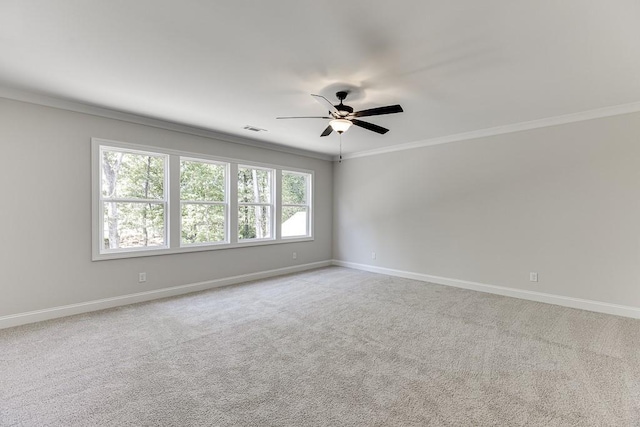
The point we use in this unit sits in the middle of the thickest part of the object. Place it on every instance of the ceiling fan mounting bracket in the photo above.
(342, 95)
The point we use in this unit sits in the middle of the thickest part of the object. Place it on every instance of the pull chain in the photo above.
(340, 148)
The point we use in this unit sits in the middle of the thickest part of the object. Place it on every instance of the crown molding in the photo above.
(598, 113)
(79, 107)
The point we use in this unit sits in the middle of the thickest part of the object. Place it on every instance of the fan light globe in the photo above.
(340, 125)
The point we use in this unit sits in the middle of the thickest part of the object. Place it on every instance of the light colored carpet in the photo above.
(330, 347)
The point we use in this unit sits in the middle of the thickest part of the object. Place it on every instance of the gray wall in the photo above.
(563, 201)
(45, 178)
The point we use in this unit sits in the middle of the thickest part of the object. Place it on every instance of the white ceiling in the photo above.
(454, 66)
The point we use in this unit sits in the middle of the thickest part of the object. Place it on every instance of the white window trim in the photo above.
(101, 201)
(225, 203)
(308, 205)
(272, 206)
(172, 213)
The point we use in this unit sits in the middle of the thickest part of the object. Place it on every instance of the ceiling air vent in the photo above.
(254, 129)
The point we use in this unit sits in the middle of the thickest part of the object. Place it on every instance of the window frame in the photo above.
(271, 205)
(173, 203)
(101, 202)
(309, 198)
(225, 203)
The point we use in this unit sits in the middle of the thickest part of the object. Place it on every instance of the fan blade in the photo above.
(324, 101)
(370, 126)
(389, 109)
(306, 117)
(327, 131)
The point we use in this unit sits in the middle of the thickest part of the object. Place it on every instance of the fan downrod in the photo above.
(344, 109)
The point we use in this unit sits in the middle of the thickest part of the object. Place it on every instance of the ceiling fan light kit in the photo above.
(343, 117)
(340, 125)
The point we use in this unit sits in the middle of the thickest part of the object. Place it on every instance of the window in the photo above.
(296, 207)
(203, 202)
(255, 203)
(152, 201)
(133, 200)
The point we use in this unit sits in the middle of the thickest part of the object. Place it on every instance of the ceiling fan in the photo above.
(342, 116)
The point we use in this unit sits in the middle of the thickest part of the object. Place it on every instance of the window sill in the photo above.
(137, 253)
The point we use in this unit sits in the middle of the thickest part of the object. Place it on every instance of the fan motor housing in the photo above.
(342, 107)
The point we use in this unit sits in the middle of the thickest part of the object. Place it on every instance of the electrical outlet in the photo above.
(295, 255)
(373, 255)
(533, 277)
(142, 277)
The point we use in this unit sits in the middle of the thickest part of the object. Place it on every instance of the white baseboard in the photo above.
(583, 304)
(101, 304)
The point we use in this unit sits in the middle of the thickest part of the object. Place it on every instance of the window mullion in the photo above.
(284, 205)
(278, 206)
(174, 214)
(201, 202)
(232, 191)
(124, 200)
